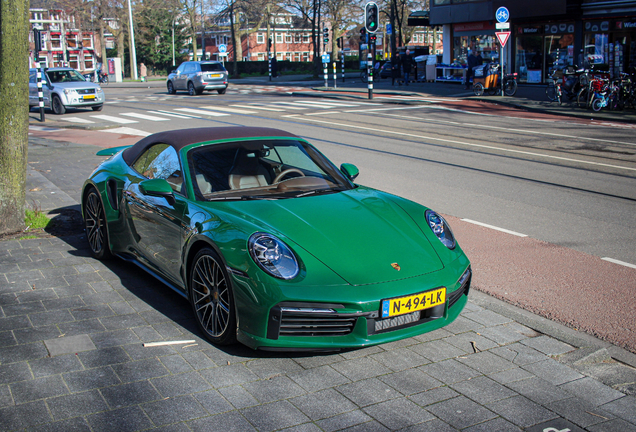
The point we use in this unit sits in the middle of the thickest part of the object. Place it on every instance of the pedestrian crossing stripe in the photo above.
(169, 114)
(76, 120)
(237, 111)
(260, 107)
(113, 119)
(127, 131)
(144, 116)
(202, 112)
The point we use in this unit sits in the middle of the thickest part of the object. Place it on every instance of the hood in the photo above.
(361, 234)
(76, 85)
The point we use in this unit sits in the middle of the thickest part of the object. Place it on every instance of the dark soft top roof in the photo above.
(184, 137)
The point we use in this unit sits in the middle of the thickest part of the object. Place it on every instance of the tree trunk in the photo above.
(14, 116)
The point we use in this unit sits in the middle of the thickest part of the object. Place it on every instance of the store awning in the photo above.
(418, 19)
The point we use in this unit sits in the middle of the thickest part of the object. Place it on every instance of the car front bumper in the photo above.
(77, 100)
(302, 324)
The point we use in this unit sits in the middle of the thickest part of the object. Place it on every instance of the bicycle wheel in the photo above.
(510, 87)
(363, 76)
(550, 92)
(478, 89)
(581, 99)
(597, 104)
(105, 80)
(559, 94)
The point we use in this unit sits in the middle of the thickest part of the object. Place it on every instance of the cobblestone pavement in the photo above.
(72, 358)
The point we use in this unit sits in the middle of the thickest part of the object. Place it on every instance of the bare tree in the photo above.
(14, 117)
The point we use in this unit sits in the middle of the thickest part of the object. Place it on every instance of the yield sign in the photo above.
(503, 37)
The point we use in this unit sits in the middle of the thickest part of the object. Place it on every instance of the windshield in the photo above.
(61, 76)
(271, 169)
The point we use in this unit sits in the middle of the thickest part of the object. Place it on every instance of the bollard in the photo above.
(343, 65)
(370, 74)
(40, 77)
(326, 72)
(269, 66)
(335, 75)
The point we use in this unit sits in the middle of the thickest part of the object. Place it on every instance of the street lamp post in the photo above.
(133, 53)
(173, 64)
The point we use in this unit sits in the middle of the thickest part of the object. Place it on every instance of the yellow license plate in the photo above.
(413, 303)
(89, 97)
(215, 75)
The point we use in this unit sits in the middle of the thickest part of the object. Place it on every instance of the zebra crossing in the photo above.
(306, 107)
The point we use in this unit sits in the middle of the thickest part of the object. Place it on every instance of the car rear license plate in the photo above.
(86, 97)
(215, 75)
(413, 303)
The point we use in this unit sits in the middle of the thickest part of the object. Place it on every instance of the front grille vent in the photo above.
(302, 323)
(86, 91)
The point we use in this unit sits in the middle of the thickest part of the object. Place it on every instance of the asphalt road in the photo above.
(535, 200)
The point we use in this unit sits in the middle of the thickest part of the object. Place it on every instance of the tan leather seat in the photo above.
(247, 172)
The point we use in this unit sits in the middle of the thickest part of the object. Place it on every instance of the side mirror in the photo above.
(350, 170)
(158, 188)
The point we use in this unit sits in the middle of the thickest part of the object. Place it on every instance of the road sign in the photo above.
(389, 28)
(222, 48)
(503, 37)
(502, 26)
(326, 57)
(502, 14)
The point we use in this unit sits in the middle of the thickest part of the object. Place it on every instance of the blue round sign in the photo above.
(502, 15)
(222, 48)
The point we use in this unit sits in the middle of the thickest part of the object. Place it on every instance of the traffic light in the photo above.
(371, 17)
(325, 35)
(269, 44)
(37, 39)
(372, 39)
(339, 42)
(363, 34)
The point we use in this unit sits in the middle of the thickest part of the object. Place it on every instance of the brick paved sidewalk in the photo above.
(72, 358)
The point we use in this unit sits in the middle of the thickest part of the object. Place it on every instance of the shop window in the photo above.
(529, 58)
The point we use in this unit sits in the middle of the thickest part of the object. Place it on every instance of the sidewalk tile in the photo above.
(125, 419)
(449, 371)
(434, 395)
(487, 318)
(368, 392)
(553, 371)
(511, 375)
(20, 353)
(88, 326)
(592, 391)
(616, 425)
(496, 425)
(398, 413)
(361, 368)
(14, 323)
(50, 318)
(269, 367)
(114, 338)
(198, 360)
(25, 415)
(579, 411)
(140, 370)
(482, 390)
(461, 412)
(181, 384)
(342, 421)
(624, 408)
(521, 411)
(465, 341)
(539, 390)
(124, 395)
(7, 339)
(273, 416)
(74, 290)
(91, 311)
(39, 388)
(54, 365)
(323, 404)
(410, 381)
(73, 302)
(463, 325)
(23, 309)
(77, 424)
(318, 378)
(486, 362)
(435, 425)
(400, 359)
(224, 376)
(78, 404)
(226, 422)
(548, 345)
(120, 322)
(69, 344)
(238, 396)
(437, 350)
(213, 402)
(91, 379)
(273, 389)
(519, 354)
(14, 372)
(182, 408)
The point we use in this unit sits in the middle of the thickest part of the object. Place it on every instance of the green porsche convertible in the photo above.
(271, 243)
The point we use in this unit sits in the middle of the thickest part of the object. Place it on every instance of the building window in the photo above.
(73, 61)
(296, 56)
(306, 38)
(261, 56)
(305, 56)
(71, 40)
(288, 38)
(88, 62)
(279, 38)
(288, 56)
(56, 41)
(260, 38)
(87, 41)
(298, 38)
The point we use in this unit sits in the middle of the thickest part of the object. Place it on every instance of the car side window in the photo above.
(161, 162)
(32, 78)
(181, 68)
(190, 67)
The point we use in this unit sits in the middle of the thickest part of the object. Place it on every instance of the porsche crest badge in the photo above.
(396, 266)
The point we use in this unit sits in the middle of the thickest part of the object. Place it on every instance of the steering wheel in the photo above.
(282, 175)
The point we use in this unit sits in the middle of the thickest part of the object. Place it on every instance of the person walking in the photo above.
(143, 71)
(471, 63)
(407, 63)
(395, 69)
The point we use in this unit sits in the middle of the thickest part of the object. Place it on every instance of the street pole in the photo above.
(173, 63)
(133, 53)
(370, 74)
(202, 33)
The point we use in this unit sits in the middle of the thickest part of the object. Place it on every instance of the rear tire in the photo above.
(478, 89)
(191, 89)
(97, 108)
(581, 99)
(96, 226)
(596, 105)
(511, 87)
(550, 92)
(221, 91)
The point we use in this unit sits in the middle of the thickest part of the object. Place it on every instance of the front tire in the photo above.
(57, 106)
(550, 92)
(581, 99)
(171, 89)
(96, 226)
(97, 108)
(478, 89)
(511, 87)
(212, 298)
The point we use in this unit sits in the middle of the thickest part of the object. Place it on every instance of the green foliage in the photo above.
(35, 219)
(153, 38)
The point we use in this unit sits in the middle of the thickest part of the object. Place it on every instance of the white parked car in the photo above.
(64, 88)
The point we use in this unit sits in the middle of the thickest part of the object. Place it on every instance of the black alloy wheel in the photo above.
(191, 90)
(171, 89)
(95, 224)
(212, 299)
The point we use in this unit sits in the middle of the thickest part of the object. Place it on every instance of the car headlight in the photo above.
(98, 89)
(273, 256)
(440, 228)
(69, 91)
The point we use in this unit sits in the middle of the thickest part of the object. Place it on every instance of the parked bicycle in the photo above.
(492, 84)
(102, 77)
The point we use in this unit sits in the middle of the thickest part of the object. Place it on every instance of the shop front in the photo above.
(479, 36)
(542, 48)
(610, 42)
